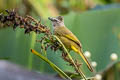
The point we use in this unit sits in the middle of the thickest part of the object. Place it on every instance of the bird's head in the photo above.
(57, 21)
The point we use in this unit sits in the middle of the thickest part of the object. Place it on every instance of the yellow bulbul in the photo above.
(67, 37)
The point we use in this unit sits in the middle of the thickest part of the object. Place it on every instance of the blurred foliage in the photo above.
(97, 29)
(112, 72)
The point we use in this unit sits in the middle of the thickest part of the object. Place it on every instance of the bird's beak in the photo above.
(51, 18)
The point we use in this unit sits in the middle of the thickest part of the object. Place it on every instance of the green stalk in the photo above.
(79, 70)
(43, 50)
(57, 69)
(30, 57)
(42, 65)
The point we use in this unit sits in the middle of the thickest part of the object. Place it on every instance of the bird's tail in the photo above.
(86, 61)
(83, 57)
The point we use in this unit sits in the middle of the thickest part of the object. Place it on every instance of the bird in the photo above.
(70, 41)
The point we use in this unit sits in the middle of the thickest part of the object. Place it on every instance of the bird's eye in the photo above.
(60, 18)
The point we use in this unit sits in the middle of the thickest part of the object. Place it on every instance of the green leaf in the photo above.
(57, 69)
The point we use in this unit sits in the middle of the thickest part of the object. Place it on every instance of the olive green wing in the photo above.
(73, 38)
(63, 31)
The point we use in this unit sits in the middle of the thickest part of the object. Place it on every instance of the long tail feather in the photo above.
(86, 61)
(83, 57)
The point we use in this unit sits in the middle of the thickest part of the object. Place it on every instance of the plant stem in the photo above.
(79, 70)
(30, 57)
(43, 50)
(57, 69)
